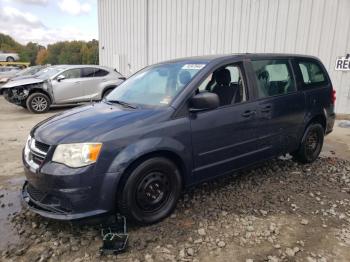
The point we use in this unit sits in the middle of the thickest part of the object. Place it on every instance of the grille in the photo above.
(36, 194)
(41, 146)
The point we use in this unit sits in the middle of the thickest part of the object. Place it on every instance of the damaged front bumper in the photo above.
(33, 199)
(15, 95)
(59, 192)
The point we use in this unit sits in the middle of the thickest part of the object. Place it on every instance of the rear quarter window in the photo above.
(94, 72)
(312, 73)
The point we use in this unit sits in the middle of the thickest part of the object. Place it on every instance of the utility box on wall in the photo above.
(143, 32)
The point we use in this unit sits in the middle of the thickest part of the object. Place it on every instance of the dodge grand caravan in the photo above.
(173, 125)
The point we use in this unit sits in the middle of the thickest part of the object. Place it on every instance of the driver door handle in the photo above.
(266, 109)
(248, 113)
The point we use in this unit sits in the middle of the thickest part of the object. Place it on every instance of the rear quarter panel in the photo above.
(317, 96)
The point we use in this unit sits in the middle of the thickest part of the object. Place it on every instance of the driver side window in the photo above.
(71, 73)
(227, 82)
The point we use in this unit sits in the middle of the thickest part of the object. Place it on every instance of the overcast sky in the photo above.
(49, 21)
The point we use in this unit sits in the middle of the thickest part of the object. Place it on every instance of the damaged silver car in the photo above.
(61, 84)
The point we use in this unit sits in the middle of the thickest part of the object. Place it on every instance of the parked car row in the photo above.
(60, 84)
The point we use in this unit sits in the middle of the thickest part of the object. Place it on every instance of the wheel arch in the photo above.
(38, 90)
(317, 118)
(168, 154)
(106, 88)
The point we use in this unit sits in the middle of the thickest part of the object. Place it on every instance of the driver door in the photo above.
(69, 89)
(224, 139)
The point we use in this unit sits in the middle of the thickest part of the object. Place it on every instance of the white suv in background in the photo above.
(62, 84)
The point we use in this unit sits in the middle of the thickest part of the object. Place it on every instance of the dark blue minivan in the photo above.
(173, 125)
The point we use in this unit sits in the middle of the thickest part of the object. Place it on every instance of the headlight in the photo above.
(77, 155)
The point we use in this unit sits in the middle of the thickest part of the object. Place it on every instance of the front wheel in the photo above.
(311, 146)
(151, 191)
(38, 103)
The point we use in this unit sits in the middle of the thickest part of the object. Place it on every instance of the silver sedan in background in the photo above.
(8, 57)
(62, 84)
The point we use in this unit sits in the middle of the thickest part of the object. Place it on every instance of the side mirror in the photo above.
(60, 78)
(204, 101)
(122, 78)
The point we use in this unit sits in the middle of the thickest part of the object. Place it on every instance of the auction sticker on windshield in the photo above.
(193, 66)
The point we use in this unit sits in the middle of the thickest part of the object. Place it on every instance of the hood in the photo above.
(8, 74)
(16, 78)
(22, 82)
(87, 123)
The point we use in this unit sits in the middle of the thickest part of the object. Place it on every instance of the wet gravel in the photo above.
(280, 211)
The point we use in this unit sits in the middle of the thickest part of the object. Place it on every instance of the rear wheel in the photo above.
(107, 92)
(151, 191)
(311, 146)
(10, 59)
(38, 103)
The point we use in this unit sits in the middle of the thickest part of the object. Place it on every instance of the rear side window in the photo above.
(274, 77)
(94, 72)
(312, 72)
(100, 72)
(72, 73)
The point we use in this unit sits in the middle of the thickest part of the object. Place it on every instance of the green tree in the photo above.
(53, 52)
(65, 52)
(30, 52)
(8, 44)
(70, 53)
(89, 52)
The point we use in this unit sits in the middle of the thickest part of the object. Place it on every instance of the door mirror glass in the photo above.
(204, 101)
(60, 78)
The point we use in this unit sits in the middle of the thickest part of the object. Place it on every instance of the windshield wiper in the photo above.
(125, 104)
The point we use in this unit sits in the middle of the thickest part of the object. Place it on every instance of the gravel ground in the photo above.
(279, 211)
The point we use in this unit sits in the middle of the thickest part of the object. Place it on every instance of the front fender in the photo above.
(150, 145)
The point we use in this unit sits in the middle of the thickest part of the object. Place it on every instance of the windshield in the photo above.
(48, 72)
(156, 85)
(28, 71)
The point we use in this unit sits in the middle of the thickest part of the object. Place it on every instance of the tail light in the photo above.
(333, 96)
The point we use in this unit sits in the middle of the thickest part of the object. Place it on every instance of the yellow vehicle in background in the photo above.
(21, 65)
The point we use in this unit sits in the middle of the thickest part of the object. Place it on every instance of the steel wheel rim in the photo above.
(153, 191)
(39, 103)
(312, 142)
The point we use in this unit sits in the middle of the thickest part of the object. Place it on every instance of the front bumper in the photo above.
(56, 191)
(53, 210)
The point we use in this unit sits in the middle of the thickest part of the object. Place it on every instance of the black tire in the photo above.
(38, 103)
(10, 59)
(151, 191)
(311, 145)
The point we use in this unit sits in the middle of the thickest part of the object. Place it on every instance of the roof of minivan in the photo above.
(209, 58)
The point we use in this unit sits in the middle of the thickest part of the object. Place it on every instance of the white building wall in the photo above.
(135, 33)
